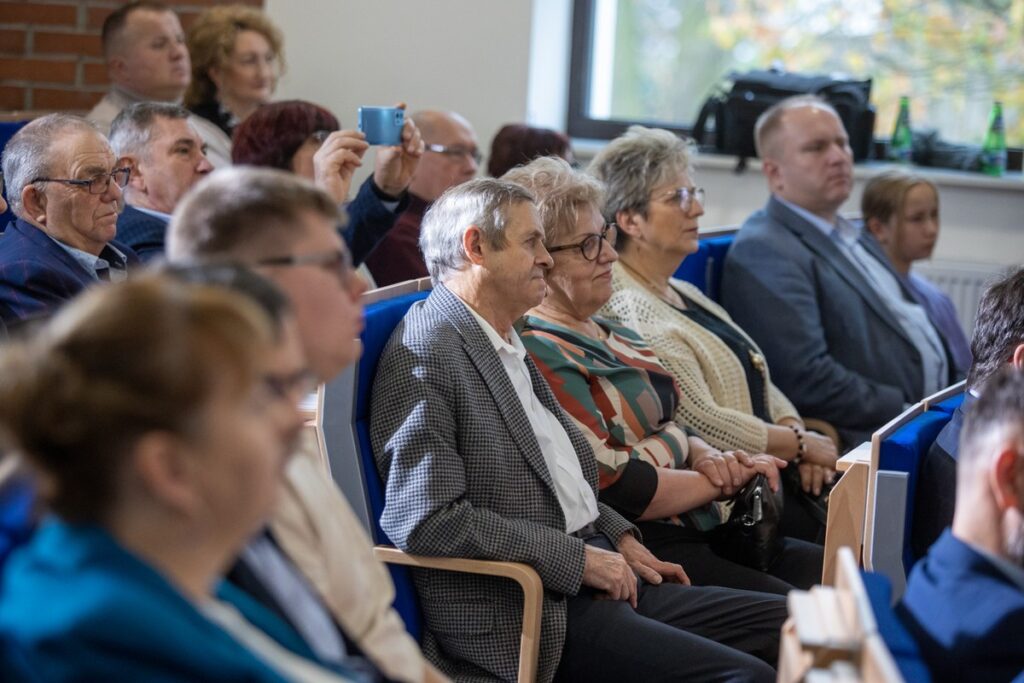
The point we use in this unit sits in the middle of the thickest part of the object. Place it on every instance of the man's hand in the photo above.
(647, 566)
(724, 469)
(395, 165)
(336, 160)
(608, 572)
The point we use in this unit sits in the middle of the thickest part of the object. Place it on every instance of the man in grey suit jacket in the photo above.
(846, 341)
(481, 462)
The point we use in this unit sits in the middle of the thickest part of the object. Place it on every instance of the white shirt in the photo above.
(912, 317)
(579, 504)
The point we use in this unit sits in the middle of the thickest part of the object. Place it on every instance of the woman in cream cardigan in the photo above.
(728, 395)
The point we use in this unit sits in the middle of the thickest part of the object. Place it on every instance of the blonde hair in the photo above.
(560, 192)
(885, 194)
(212, 39)
(114, 364)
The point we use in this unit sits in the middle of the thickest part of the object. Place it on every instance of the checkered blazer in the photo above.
(465, 477)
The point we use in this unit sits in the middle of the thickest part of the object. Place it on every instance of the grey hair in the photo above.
(132, 130)
(27, 154)
(636, 162)
(770, 120)
(483, 202)
(244, 213)
(560, 192)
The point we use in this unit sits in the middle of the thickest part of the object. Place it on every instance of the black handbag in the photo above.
(734, 112)
(751, 536)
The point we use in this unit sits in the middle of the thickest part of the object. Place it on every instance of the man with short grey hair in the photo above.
(64, 186)
(481, 462)
(846, 341)
(167, 157)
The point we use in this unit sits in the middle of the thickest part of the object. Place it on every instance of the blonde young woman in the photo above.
(727, 393)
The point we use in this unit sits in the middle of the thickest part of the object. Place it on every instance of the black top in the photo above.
(213, 111)
(744, 351)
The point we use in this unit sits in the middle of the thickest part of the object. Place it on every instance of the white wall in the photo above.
(470, 56)
(499, 61)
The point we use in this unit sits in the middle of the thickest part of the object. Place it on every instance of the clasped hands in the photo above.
(615, 573)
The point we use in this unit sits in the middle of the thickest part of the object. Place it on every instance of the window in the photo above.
(656, 61)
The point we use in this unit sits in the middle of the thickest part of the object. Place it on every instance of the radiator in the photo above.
(963, 283)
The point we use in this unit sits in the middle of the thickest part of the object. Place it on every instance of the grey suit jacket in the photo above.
(835, 348)
(465, 477)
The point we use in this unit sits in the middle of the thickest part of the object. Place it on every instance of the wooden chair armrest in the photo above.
(523, 574)
(825, 428)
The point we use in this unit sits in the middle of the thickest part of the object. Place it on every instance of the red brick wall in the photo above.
(50, 53)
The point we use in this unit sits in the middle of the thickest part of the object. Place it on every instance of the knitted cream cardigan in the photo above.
(716, 400)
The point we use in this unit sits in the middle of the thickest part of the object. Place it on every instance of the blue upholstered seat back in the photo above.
(897, 638)
(949, 405)
(381, 319)
(704, 269)
(903, 451)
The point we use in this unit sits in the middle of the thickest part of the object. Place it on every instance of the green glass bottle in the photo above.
(901, 144)
(993, 150)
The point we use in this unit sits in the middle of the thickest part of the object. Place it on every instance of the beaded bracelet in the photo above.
(801, 447)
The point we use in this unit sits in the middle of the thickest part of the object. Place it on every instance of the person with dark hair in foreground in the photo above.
(481, 462)
(998, 341)
(965, 600)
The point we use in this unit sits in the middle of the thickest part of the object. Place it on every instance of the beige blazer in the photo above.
(716, 400)
(317, 528)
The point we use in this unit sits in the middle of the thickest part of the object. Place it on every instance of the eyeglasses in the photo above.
(685, 196)
(457, 151)
(338, 262)
(97, 184)
(590, 246)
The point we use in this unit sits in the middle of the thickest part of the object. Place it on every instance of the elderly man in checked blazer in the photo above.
(481, 462)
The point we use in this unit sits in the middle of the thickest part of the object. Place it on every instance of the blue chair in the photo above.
(704, 268)
(345, 420)
(947, 400)
(897, 450)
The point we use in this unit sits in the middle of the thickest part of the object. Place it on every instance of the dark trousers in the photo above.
(798, 565)
(677, 633)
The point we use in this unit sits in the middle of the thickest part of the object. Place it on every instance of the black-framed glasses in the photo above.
(590, 246)
(338, 262)
(98, 184)
(686, 196)
(457, 151)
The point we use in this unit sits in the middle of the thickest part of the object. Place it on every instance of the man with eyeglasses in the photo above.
(286, 229)
(846, 341)
(167, 157)
(451, 157)
(65, 189)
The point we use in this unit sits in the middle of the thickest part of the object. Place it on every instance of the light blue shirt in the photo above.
(94, 264)
(912, 317)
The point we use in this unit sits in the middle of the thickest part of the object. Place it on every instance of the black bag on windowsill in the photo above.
(751, 537)
(732, 112)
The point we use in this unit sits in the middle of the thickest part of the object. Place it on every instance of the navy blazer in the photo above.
(966, 615)
(36, 273)
(143, 232)
(936, 484)
(835, 348)
(369, 220)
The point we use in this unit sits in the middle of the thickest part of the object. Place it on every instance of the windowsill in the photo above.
(586, 149)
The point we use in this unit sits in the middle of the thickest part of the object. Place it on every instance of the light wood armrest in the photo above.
(524, 575)
(825, 428)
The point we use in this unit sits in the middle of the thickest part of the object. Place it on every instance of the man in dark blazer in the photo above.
(65, 189)
(846, 341)
(998, 341)
(965, 601)
(480, 461)
(167, 157)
